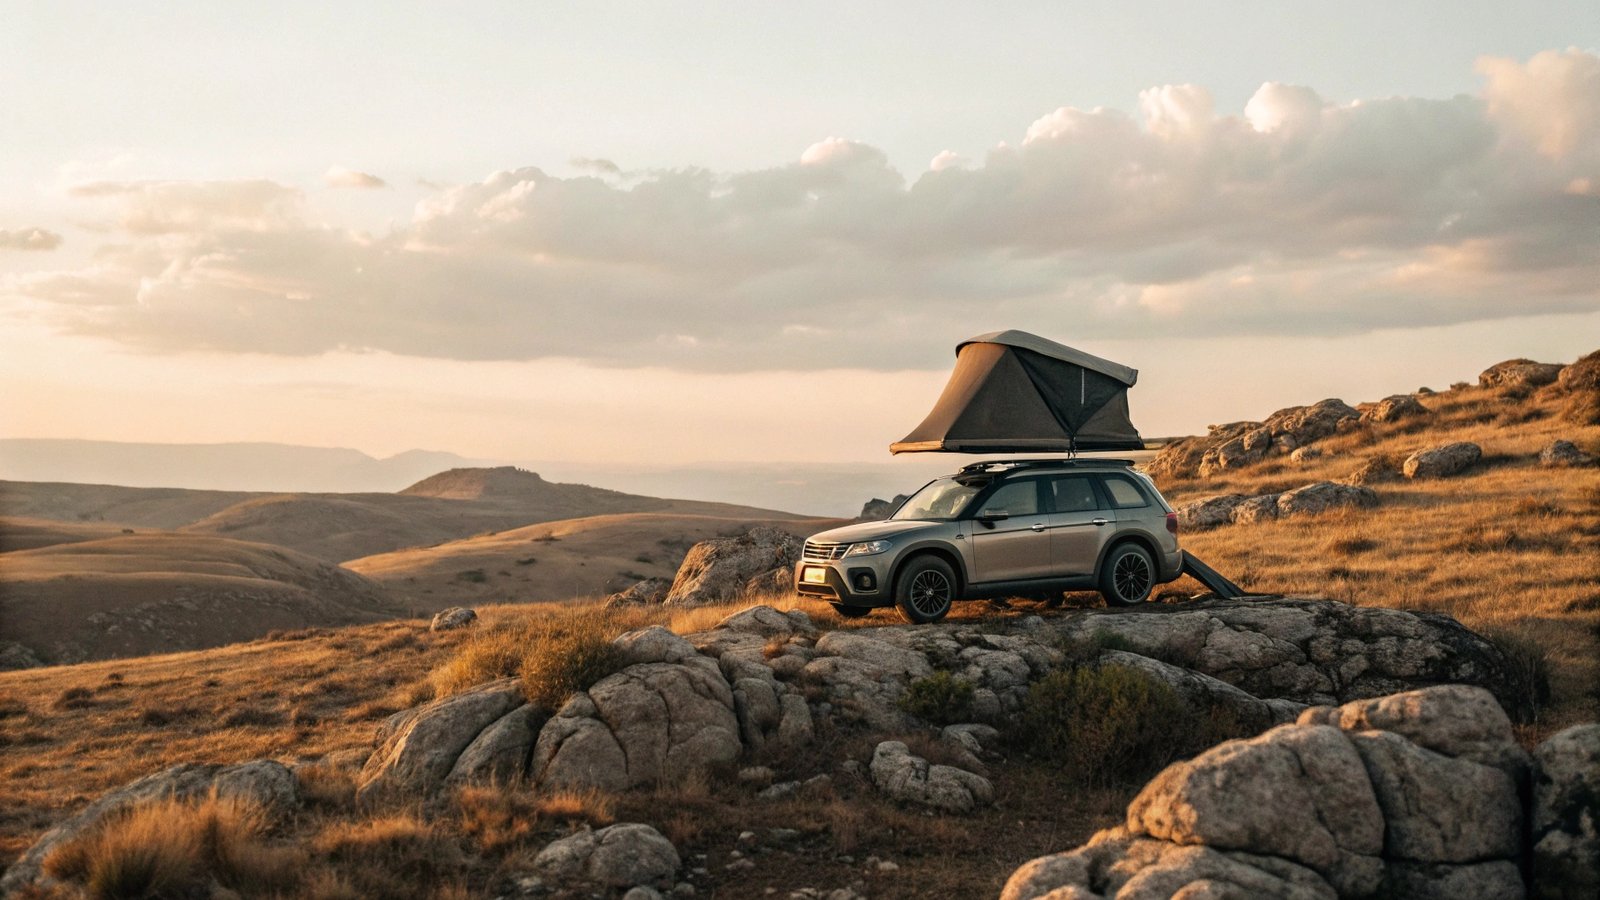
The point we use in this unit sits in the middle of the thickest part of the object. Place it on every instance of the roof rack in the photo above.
(1034, 463)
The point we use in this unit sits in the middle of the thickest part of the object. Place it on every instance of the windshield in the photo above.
(940, 499)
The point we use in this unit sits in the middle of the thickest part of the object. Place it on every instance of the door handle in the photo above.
(1037, 526)
(1102, 521)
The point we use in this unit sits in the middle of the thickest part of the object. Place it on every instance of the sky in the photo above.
(678, 233)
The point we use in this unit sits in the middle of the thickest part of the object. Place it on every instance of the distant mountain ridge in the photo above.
(252, 467)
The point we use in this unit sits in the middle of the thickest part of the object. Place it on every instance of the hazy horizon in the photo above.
(635, 235)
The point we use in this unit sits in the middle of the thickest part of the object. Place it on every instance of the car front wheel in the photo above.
(925, 589)
(1127, 576)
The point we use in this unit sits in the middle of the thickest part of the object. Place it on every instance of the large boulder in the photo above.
(1582, 375)
(1442, 461)
(1308, 651)
(907, 778)
(1323, 496)
(453, 618)
(1565, 819)
(1208, 512)
(419, 748)
(1318, 810)
(1561, 454)
(1519, 373)
(651, 723)
(717, 570)
(263, 782)
(1394, 409)
(648, 591)
(618, 856)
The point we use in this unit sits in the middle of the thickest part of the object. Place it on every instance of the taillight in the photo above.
(1172, 522)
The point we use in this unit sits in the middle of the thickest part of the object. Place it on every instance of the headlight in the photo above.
(867, 549)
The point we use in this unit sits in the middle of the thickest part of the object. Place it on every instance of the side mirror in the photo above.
(990, 516)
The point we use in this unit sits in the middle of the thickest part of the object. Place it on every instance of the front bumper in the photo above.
(858, 581)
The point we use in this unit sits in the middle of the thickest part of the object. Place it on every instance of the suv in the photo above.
(1021, 527)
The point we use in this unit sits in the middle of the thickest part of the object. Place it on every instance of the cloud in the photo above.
(29, 239)
(1293, 216)
(340, 177)
(597, 166)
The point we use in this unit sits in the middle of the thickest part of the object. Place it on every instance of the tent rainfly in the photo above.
(1012, 391)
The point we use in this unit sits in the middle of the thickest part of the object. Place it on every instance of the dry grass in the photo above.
(177, 848)
(1508, 546)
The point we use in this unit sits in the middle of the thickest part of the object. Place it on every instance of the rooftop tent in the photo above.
(1012, 391)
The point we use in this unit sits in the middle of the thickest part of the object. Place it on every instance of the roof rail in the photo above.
(1034, 463)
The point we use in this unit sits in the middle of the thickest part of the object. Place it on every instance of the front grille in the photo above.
(824, 552)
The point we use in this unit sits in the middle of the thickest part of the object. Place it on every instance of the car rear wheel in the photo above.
(851, 612)
(925, 589)
(1127, 575)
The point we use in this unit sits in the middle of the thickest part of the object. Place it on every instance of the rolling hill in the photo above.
(554, 560)
(145, 593)
(454, 504)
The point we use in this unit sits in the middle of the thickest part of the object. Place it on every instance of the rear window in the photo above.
(1124, 493)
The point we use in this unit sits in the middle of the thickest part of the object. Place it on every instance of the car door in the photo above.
(1079, 524)
(1017, 546)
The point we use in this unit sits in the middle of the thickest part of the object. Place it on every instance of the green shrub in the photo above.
(940, 699)
(1527, 674)
(476, 576)
(1110, 724)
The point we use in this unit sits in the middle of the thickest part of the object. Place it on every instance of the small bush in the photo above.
(554, 657)
(74, 698)
(1582, 408)
(569, 656)
(1352, 546)
(1527, 674)
(475, 576)
(175, 848)
(252, 717)
(940, 699)
(1110, 724)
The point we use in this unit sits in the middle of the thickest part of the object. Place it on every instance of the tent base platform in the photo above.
(1211, 578)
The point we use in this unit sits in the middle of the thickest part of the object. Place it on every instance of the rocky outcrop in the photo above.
(453, 618)
(1519, 373)
(263, 782)
(911, 779)
(1560, 454)
(1210, 512)
(618, 856)
(648, 591)
(1377, 470)
(1282, 433)
(1394, 409)
(651, 723)
(1442, 461)
(876, 510)
(1323, 496)
(717, 570)
(419, 748)
(1386, 798)
(1582, 375)
(1565, 819)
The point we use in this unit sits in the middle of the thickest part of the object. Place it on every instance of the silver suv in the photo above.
(1015, 528)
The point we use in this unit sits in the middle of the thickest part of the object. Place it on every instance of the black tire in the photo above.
(1127, 575)
(924, 590)
(851, 612)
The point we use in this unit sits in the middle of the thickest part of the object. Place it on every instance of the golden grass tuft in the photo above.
(174, 848)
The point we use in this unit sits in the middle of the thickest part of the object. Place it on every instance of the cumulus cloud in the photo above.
(1295, 215)
(29, 239)
(341, 177)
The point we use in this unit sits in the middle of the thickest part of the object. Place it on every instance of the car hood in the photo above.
(872, 531)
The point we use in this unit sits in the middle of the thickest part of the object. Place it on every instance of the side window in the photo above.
(1019, 498)
(1072, 493)
(1124, 493)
